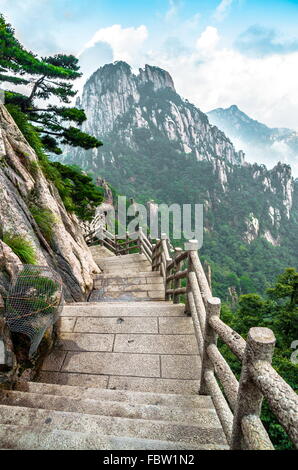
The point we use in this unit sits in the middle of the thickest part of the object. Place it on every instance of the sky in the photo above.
(219, 52)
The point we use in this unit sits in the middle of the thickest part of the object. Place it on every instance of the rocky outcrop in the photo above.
(253, 227)
(22, 182)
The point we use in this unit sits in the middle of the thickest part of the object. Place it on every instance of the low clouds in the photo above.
(208, 40)
(125, 43)
(260, 41)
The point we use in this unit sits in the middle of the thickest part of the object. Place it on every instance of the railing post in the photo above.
(259, 347)
(155, 255)
(192, 245)
(210, 338)
(176, 282)
(116, 245)
(139, 239)
(164, 260)
(127, 243)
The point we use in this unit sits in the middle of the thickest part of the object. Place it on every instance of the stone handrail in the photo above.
(238, 404)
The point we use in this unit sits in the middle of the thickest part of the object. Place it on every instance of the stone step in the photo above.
(112, 426)
(100, 295)
(116, 382)
(196, 416)
(147, 275)
(130, 258)
(155, 385)
(123, 262)
(153, 282)
(124, 309)
(30, 438)
(124, 287)
(127, 396)
(100, 252)
(110, 325)
(126, 270)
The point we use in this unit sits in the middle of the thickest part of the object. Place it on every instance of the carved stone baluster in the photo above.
(259, 347)
(210, 338)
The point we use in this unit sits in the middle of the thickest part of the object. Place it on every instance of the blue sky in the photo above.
(219, 52)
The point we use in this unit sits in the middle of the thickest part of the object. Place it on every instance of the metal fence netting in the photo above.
(34, 302)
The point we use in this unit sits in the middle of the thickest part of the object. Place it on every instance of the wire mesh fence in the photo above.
(34, 302)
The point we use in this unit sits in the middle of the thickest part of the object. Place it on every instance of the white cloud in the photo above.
(207, 40)
(222, 10)
(126, 43)
(215, 76)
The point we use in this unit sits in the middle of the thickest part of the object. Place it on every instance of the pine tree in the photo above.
(47, 77)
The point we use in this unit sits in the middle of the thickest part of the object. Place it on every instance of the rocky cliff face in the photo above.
(277, 190)
(133, 111)
(23, 182)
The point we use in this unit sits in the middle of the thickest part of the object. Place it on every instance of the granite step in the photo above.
(146, 275)
(132, 296)
(196, 416)
(100, 251)
(112, 426)
(127, 396)
(124, 309)
(130, 258)
(116, 382)
(126, 287)
(30, 438)
(111, 325)
(120, 262)
(112, 280)
(126, 270)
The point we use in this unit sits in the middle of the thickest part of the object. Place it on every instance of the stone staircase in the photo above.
(127, 277)
(125, 375)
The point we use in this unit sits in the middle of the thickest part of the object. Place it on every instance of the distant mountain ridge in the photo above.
(260, 142)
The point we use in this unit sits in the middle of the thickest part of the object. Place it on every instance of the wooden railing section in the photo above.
(238, 404)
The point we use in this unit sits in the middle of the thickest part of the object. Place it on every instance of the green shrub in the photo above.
(21, 247)
(78, 191)
(45, 220)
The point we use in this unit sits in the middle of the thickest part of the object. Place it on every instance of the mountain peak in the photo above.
(234, 107)
(118, 102)
(159, 77)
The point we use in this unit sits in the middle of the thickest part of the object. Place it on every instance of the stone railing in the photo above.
(238, 404)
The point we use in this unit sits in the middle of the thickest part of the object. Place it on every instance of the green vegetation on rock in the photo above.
(45, 220)
(21, 247)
